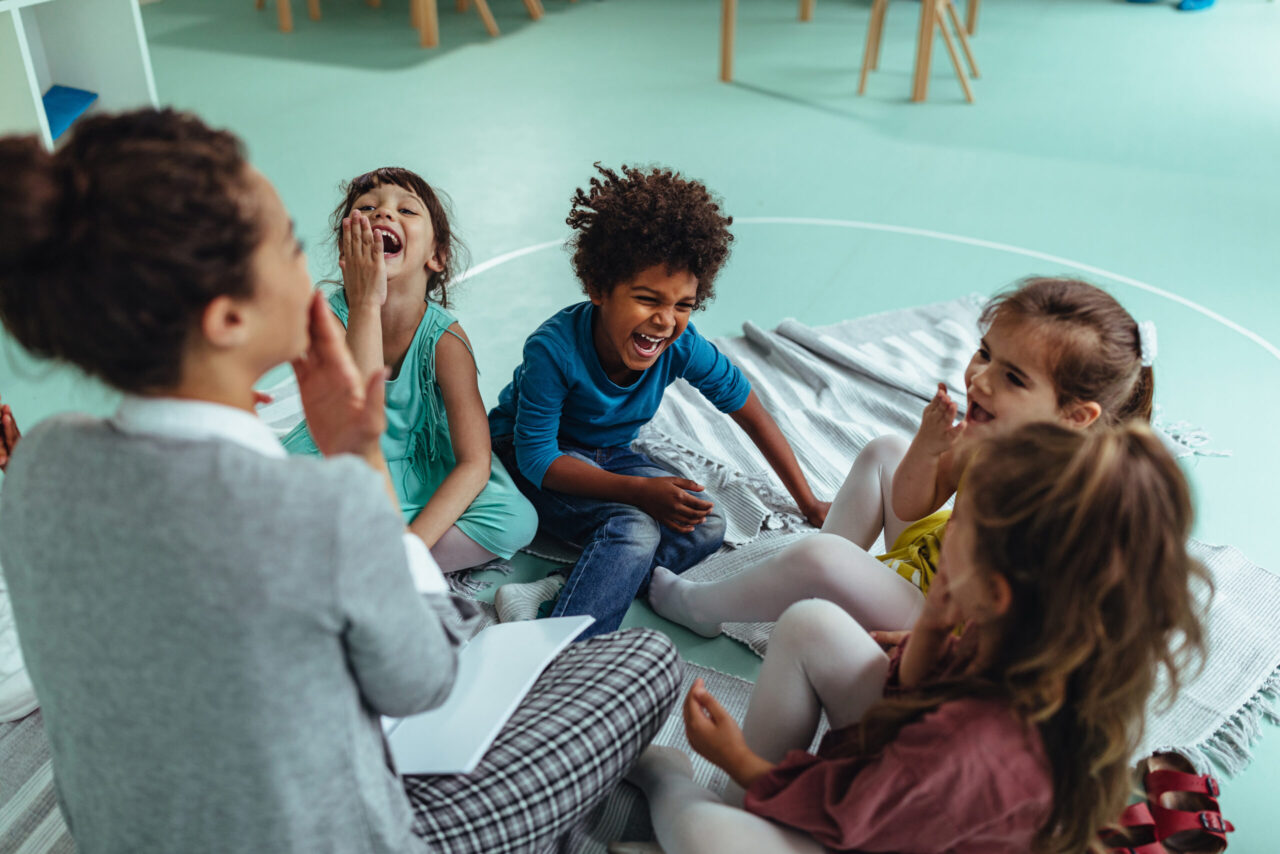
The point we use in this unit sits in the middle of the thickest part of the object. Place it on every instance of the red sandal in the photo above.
(1204, 830)
(1135, 833)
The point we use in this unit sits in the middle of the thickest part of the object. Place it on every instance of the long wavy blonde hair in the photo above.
(1090, 529)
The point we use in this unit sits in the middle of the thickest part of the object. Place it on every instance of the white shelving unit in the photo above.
(95, 45)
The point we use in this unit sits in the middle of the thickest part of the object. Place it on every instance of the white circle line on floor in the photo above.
(938, 235)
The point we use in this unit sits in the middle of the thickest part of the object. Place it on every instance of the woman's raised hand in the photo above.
(9, 435)
(344, 410)
(364, 269)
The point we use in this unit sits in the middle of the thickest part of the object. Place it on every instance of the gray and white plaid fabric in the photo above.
(568, 744)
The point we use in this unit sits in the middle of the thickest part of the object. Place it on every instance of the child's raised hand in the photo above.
(938, 428)
(711, 731)
(9, 435)
(364, 269)
(667, 499)
(344, 410)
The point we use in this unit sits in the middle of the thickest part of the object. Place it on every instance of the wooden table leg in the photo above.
(960, 34)
(534, 7)
(806, 10)
(286, 16)
(872, 50)
(313, 9)
(728, 18)
(924, 50)
(971, 16)
(955, 58)
(428, 17)
(490, 25)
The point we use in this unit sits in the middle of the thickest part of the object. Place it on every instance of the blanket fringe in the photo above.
(1231, 747)
(776, 504)
(1187, 439)
(464, 582)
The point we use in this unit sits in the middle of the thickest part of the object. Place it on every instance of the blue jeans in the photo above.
(621, 544)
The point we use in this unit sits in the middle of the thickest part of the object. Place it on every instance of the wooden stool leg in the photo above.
(924, 50)
(879, 31)
(873, 42)
(415, 16)
(313, 9)
(964, 40)
(535, 8)
(971, 16)
(374, 4)
(806, 9)
(728, 18)
(285, 15)
(428, 23)
(951, 49)
(464, 5)
(260, 5)
(490, 25)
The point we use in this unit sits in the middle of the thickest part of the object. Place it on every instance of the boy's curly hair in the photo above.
(628, 223)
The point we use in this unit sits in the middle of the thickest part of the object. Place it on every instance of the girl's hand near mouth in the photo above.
(364, 269)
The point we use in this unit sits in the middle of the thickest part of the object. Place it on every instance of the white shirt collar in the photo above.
(197, 420)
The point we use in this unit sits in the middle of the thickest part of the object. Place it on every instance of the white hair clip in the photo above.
(1147, 342)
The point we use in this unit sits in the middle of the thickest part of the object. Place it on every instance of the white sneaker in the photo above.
(516, 602)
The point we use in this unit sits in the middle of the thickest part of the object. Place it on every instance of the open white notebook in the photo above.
(496, 669)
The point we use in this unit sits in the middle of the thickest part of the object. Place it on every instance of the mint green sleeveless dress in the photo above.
(419, 450)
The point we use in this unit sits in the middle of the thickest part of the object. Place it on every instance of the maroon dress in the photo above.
(968, 777)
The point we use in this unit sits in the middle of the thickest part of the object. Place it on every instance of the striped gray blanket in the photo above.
(831, 389)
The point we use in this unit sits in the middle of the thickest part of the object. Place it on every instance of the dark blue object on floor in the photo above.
(63, 105)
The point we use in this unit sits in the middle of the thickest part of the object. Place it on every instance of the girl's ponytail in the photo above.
(1141, 403)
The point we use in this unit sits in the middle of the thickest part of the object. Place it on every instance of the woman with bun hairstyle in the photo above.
(214, 628)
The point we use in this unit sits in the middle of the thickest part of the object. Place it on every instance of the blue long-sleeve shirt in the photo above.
(560, 390)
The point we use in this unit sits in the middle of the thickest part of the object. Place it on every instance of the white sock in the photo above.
(667, 595)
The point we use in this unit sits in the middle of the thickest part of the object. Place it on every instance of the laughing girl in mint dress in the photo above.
(396, 254)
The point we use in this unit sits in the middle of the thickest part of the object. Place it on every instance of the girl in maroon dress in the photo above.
(1006, 719)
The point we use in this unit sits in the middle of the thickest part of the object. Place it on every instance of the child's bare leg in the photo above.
(864, 505)
(689, 819)
(821, 566)
(819, 659)
(455, 550)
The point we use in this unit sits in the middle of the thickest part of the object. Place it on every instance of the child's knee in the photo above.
(709, 535)
(807, 621)
(635, 528)
(822, 561)
(886, 450)
(522, 526)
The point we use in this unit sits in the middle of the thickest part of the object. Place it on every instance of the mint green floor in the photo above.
(1130, 138)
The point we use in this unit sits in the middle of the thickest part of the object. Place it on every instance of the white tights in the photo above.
(455, 550)
(819, 660)
(834, 564)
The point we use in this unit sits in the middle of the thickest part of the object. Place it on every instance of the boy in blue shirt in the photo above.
(648, 246)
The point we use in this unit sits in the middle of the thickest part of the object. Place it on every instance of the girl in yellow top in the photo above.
(1057, 350)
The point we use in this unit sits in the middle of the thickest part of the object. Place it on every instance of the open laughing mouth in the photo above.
(647, 345)
(391, 243)
(977, 415)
